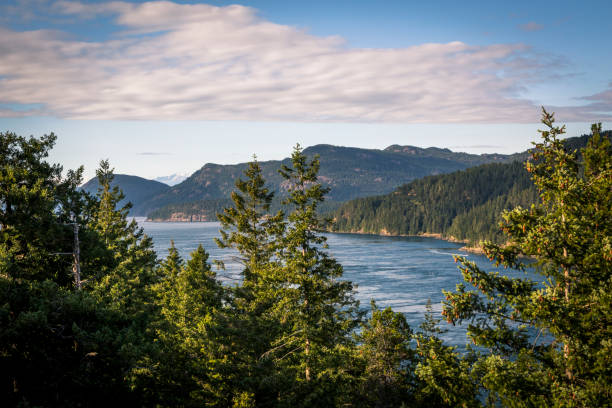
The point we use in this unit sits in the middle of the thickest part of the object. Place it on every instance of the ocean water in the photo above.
(401, 272)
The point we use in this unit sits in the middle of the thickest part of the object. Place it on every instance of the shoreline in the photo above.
(384, 233)
(471, 249)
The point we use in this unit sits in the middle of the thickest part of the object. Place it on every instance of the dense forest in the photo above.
(349, 172)
(89, 315)
(465, 205)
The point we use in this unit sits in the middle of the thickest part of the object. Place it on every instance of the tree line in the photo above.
(465, 205)
(145, 331)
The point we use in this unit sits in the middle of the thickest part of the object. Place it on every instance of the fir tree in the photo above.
(249, 228)
(317, 309)
(549, 344)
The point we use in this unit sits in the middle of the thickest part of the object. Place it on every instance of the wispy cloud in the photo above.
(531, 26)
(153, 154)
(225, 63)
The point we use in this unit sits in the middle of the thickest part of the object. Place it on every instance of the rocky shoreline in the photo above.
(472, 249)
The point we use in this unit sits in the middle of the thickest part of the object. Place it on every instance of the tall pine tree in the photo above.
(548, 344)
(317, 309)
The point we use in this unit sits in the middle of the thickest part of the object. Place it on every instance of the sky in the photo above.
(164, 87)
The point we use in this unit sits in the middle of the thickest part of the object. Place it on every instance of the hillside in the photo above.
(136, 189)
(464, 205)
(350, 172)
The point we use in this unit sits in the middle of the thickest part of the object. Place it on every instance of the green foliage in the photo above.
(124, 244)
(247, 225)
(32, 216)
(443, 375)
(316, 309)
(450, 204)
(465, 205)
(387, 358)
(191, 358)
(60, 348)
(548, 344)
(349, 172)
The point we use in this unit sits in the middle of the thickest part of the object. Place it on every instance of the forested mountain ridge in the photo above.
(445, 153)
(350, 172)
(136, 190)
(464, 205)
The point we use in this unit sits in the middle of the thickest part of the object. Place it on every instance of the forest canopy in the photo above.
(101, 320)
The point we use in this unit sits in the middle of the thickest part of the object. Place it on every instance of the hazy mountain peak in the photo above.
(172, 179)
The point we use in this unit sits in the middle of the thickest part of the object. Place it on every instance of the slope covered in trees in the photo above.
(136, 189)
(350, 172)
(464, 205)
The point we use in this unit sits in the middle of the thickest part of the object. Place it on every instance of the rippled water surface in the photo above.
(401, 272)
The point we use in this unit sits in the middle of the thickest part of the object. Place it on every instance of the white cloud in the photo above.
(203, 62)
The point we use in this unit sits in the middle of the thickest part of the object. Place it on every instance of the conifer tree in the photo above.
(548, 343)
(441, 375)
(32, 230)
(58, 346)
(317, 309)
(249, 228)
(384, 346)
(125, 242)
(191, 362)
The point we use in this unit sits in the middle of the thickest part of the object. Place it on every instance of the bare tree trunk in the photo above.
(307, 352)
(307, 345)
(76, 253)
(566, 347)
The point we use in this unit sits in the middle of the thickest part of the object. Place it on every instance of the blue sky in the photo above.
(164, 87)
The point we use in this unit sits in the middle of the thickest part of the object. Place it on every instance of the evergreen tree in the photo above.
(549, 343)
(58, 346)
(249, 228)
(317, 309)
(442, 376)
(125, 244)
(33, 237)
(384, 346)
(191, 367)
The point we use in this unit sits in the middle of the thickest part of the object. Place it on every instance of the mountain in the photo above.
(172, 179)
(136, 189)
(464, 205)
(350, 172)
(432, 205)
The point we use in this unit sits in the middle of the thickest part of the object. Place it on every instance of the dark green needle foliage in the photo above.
(32, 218)
(548, 344)
(388, 360)
(442, 375)
(316, 308)
(59, 346)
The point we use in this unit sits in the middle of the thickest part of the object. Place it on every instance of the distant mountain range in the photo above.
(350, 172)
(172, 179)
(136, 189)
